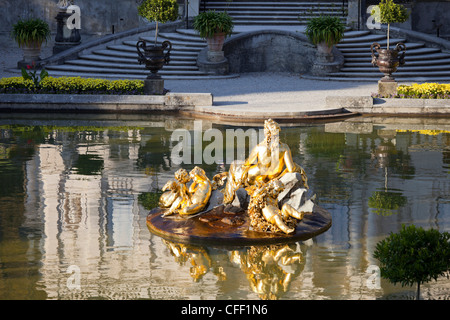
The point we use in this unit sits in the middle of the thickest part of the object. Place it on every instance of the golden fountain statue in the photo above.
(260, 177)
(273, 159)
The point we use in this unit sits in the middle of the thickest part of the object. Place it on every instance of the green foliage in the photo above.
(325, 29)
(150, 200)
(27, 32)
(159, 10)
(389, 12)
(210, 22)
(414, 255)
(71, 85)
(88, 164)
(32, 75)
(384, 202)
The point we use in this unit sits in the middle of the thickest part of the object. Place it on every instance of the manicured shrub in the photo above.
(71, 85)
(424, 91)
(414, 255)
(421, 91)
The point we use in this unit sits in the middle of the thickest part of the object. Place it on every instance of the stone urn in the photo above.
(388, 60)
(153, 57)
(215, 46)
(31, 53)
(324, 52)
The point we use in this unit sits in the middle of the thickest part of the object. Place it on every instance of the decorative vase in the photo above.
(31, 52)
(215, 43)
(324, 52)
(153, 57)
(388, 59)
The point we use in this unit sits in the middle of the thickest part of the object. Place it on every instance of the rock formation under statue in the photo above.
(264, 200)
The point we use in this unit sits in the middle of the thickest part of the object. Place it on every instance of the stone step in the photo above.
(129, 71)
(175, 43)
(364, 47)
(129, 49)
(374, 79)
(383, 43)
(186, 37)
(101, 75)
(279, 11)
(213, 5)
(112, 59)
(363, 39)
(398, 74)
(363, 54)
(134, 55)
(410, 61)
(436, 56)
(404, 68)
(272, 17)
(355, 34)
(135, 65)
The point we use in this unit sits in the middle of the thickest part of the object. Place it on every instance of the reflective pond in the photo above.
(74, 196)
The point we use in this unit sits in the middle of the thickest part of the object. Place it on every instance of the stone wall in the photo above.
(269, 51)
(97, 17)
(426, 16)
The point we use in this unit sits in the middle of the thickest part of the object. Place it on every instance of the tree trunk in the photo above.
(418, 291)
(156, 33)
(388, 37)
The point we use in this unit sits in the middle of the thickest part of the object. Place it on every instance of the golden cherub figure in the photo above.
(176, 193)
(179, 199)
(268, 160)
(264, 211)
(199, 192)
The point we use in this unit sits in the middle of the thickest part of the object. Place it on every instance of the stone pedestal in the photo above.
(30, 54)
(326, 63)
(65, 38)
(387, 89)
(154, 86)
(212, 62)
(215, 56)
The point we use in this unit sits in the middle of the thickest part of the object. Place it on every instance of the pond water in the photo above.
(74, 196)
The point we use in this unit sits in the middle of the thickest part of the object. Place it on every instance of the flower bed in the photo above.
(421, 91)
(71, 85)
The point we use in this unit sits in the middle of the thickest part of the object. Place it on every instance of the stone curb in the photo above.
(103, 103)
(394, 106)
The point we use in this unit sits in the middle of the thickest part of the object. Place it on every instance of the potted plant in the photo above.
(325, 32)
(153, 56)
(214, 27)
(29, 35)
(388, 59)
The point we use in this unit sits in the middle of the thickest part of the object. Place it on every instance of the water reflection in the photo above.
(79, 195)
(268, 269)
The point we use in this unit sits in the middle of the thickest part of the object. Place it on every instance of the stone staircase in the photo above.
(120, 60)
(422, 63)
(275, 13)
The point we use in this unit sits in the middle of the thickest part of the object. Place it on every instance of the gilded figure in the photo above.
(199, 192)
(264, 211)
(268, 160)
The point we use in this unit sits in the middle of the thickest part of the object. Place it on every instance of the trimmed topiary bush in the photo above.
(414, 255)
(71, 85)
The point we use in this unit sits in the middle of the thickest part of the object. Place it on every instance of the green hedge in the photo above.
(71, 85)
